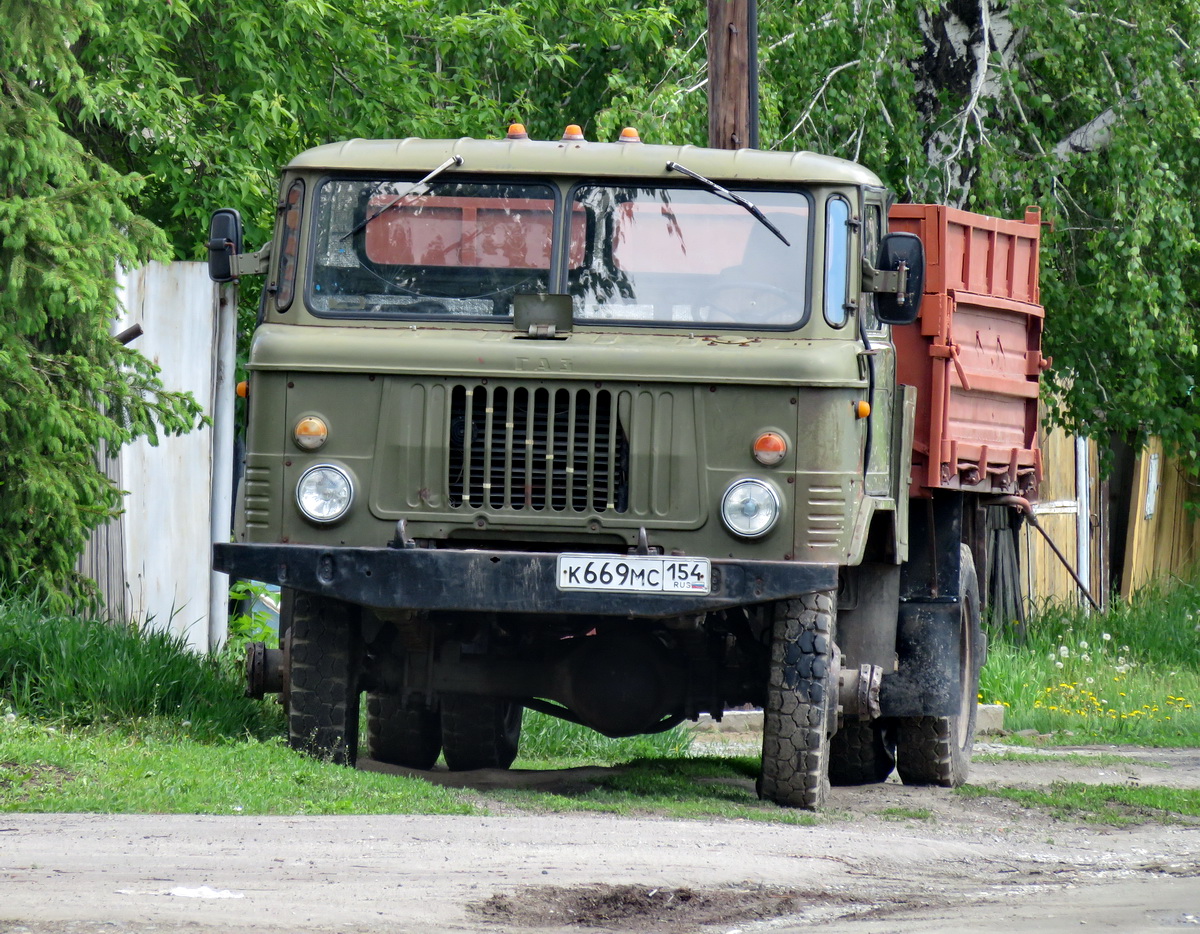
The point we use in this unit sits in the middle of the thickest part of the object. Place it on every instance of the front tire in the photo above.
(800, 714)
(937, 750)
(479, 732)
(324, 667)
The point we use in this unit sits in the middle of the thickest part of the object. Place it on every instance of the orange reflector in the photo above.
(769, 448)
(862, 408)
(243, 390)
(573, 131)
(310, 433)
(517, 131)
(629, 135)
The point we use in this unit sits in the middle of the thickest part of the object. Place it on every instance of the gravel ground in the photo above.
(981, 865)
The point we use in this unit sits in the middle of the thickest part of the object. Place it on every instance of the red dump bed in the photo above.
(975, 352)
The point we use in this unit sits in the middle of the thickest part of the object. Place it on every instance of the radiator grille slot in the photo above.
(538, 449)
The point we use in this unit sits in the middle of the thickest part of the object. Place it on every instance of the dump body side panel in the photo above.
(975, 352)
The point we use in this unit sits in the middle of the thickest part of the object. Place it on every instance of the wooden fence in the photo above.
(1164, 530)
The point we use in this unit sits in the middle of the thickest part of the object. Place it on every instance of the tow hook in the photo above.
(264, 670)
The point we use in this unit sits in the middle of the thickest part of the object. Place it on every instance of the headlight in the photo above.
(750, 508)
(324, 493)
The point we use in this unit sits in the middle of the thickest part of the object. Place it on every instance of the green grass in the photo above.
(699, 787)
(1070, 758)
(1129, 676)
(547, 742)
(158, 769)
(97, 717)
(1119, 805)
(81, 671)
(898, 814)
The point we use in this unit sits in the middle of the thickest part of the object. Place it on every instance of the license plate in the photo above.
(634, 574)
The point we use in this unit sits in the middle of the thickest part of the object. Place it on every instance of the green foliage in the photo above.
(79, 671)
(66, 387)
(209, 100)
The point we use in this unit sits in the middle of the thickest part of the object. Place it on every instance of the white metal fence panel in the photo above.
(170, 508)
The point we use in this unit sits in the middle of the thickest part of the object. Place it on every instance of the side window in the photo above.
(872, 230)
(837, 261)
(289, 245)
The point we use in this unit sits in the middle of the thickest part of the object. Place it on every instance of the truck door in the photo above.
(880, 354)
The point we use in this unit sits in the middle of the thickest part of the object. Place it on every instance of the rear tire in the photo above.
(860, 753)
(800, 714)
(479, 732)
(324, 667)
(937, 750)
(404, 734)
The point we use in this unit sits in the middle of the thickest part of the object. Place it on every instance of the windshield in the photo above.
(675, 255)
(447, 248)
(460, 249)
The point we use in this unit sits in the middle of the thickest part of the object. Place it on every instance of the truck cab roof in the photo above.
(582, 158)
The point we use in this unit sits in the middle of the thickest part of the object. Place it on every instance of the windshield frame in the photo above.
(563, 190)
(743, 188)
(314, 244)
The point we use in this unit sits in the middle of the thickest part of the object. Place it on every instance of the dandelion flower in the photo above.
(1058, 664)
(1083, 643)
(1105, 636)
(1063, 651)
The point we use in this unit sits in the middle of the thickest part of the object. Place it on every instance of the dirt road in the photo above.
(872, 865)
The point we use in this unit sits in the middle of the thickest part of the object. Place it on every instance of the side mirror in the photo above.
(899, 278)
(224, 243)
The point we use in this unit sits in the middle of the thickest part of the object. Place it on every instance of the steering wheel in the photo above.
(772, 305)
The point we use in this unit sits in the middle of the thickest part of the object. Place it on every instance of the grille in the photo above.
(537, 449)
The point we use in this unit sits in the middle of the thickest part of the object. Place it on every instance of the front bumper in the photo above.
(499, 581)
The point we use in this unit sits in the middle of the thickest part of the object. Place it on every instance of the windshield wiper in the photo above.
(453, 161)
(729, 196)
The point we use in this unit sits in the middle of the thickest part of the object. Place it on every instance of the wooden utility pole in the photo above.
(732, 74)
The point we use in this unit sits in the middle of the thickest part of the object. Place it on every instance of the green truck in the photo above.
(622, 433)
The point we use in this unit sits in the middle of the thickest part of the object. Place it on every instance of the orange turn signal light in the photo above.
(573, 131)
(862, 408)
(243, 390)
(517, 131)
(310, 433)
(770, 448)
(629, 135)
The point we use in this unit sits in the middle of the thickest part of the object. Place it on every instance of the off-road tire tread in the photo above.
(402, 734)
(324, 696)
(859, 754)
(800, 712)
(479, 732)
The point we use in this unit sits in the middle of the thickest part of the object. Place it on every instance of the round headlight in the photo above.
(750, 508)
(324, 493)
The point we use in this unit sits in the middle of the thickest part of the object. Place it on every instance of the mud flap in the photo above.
(926, 683)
